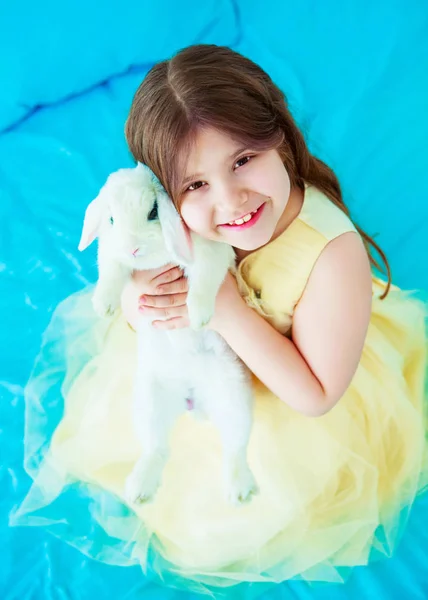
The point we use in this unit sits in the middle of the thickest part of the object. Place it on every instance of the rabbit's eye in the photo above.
(111, 220)
(153, 214)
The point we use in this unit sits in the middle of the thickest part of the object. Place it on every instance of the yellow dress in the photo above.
(334, 491)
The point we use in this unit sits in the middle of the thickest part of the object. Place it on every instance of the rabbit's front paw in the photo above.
(241, 485)
(104, 303)
(142, 484)
(201, 310)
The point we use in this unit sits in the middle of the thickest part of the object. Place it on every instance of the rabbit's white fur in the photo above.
(178, 365)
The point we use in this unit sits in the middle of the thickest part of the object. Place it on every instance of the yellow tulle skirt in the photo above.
(335, 491)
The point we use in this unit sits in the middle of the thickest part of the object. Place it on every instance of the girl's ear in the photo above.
(92, 221)
(175, 232)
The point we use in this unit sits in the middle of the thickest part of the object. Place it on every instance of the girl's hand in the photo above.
(228, 300)
(157, 293)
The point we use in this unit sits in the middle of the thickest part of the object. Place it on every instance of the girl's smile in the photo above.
(247, 220)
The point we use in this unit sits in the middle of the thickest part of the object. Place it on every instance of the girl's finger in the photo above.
(177, 286)
(175, 323)
(168, 312)
(167, 276)
(163, 301)
(150, 274)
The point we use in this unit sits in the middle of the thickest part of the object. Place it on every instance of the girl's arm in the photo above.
(311, 372)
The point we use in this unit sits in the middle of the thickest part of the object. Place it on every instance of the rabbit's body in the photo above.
(138, 228)
(181, 365)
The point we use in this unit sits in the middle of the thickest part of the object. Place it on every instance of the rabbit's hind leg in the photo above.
(228, 404)
(155, 414)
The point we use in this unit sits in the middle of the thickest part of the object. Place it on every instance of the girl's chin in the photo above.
(249, 247)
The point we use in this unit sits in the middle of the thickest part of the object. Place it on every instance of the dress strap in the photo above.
(321, 214)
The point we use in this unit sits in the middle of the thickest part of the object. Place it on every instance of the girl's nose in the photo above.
(232, 197)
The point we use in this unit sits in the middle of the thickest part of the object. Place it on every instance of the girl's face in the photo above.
(233, 194)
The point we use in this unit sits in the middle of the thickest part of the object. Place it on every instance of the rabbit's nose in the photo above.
(134, 253)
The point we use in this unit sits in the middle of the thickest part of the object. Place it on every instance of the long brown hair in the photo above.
(213, 86)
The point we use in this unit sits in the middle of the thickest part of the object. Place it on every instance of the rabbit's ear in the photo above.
(174, 230)
(92, 222)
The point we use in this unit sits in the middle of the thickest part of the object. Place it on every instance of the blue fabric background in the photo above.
(355, 73)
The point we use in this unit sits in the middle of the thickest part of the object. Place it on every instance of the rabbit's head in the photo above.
(134, 217)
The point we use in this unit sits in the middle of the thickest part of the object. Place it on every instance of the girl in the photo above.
(338, 355)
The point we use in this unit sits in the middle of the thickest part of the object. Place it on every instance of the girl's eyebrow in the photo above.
(195, 176)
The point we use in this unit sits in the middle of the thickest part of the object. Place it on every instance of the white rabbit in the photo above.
(139, 228)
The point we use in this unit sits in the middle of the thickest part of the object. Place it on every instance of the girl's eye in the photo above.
(242, 161)
(195, 186)
(111, 220)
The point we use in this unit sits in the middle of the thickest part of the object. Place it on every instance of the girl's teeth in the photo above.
(243, 220)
